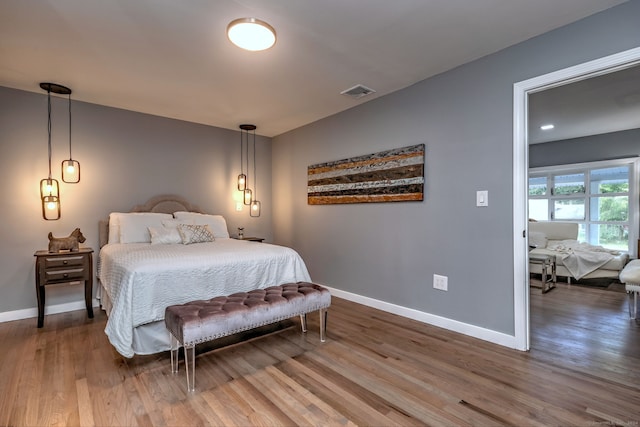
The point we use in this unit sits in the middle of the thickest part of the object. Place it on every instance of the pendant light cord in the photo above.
(70, 158)
(246, 135)
(241, 153)
(255, 187)
(49, 128)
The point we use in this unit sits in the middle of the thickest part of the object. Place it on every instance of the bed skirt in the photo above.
(147, 339)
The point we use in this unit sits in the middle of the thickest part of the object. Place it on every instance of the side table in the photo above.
(54, 268)
(548, 263)
(251, 239)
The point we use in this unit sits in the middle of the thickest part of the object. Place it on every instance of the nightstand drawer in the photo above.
(63, 261)
(64, 274)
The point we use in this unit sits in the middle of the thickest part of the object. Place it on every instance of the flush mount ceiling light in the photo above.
(251, 34)
(547, 127)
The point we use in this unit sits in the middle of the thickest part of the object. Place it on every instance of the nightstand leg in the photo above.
(40, 297)
(40, 294)
(88, 290)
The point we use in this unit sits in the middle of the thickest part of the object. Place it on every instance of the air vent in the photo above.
(358, 91)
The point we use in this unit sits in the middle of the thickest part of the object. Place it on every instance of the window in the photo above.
(598, 196)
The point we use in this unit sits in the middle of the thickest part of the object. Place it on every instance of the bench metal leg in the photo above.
(190, 353)
(175, 346)
(323, 324)
(633, 304)
(303, 322)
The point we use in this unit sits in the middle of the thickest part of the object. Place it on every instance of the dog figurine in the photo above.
(71, 243)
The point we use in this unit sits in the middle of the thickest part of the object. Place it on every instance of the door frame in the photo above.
(521, 90)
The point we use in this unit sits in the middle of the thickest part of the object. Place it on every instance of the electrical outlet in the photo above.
(440, 282)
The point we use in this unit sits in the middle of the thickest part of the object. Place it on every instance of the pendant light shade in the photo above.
(255, 208)
(50, 199)
(251, 34)
(49, 187)
(70, 168)
(242, 182)
(71, 171)
(247, 196)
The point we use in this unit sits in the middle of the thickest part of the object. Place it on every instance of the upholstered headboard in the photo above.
(556, 230)
(167, 203)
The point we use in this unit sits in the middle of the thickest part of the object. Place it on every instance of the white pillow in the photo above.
(537, 239)
(164, 235)
(217, 223)
(195, 233)
(114, 227)
(134, 226)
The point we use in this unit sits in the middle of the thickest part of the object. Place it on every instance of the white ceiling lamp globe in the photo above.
(251, 34)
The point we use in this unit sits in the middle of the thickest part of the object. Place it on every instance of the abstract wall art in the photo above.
(388, 176)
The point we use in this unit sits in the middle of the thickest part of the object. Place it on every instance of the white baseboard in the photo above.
(431, 319)
(28, 313)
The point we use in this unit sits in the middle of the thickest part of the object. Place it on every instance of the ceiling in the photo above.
(171, 58)
(593, 106)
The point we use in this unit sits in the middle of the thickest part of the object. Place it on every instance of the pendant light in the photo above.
(242, 178)
(49, 187)
(255, 204)
(247, 194)
(70, 168)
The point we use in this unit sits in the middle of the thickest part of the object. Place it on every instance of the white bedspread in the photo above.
(582, 258)
(143, 279)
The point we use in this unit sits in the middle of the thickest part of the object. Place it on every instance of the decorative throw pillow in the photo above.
(165, 235)
(217, 223)
(195, 233)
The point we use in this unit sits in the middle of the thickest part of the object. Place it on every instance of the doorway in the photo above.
(520, 171)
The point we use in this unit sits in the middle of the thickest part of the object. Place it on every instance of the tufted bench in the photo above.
(630, 276)
(200, 321)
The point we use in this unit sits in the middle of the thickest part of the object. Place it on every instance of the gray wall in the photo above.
(390, 251)
(607, 146)
(126, 158)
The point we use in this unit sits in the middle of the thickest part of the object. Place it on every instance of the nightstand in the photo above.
(53, 268)
(252, 239)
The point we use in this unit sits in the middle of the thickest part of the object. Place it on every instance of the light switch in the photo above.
(482, 198)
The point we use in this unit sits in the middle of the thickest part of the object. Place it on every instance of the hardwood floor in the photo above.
(375, 369)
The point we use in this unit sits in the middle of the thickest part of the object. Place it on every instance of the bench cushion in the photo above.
(205, 320)
(631, 272)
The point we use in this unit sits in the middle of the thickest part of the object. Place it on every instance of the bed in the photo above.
(168, 252)
(574, 259)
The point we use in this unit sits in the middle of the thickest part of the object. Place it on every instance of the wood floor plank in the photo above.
(84, 404)
(374, 369)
